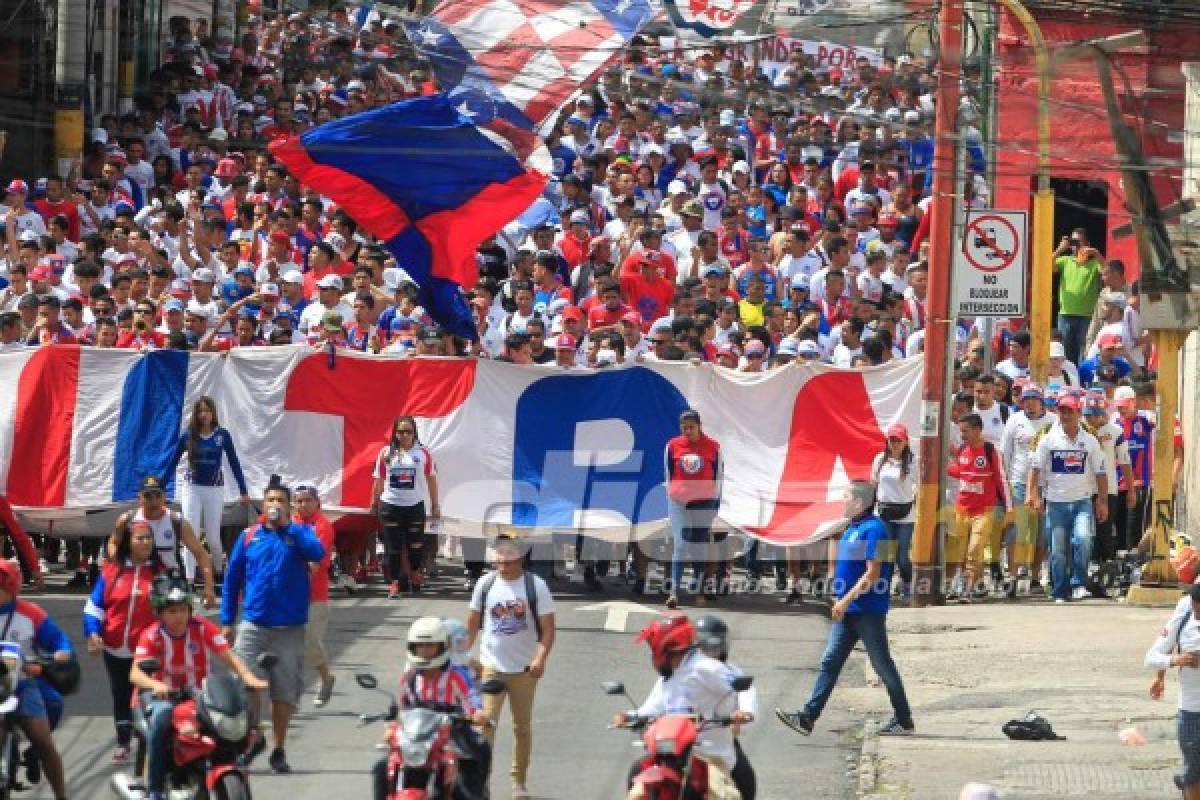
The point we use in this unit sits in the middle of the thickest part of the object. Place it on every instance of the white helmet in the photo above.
(457, 633)
(428, 630)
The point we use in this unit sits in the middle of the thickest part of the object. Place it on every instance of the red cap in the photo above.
(1068, 401)
(888, 218)
(40, 273)
(1109, 340)
(633, 318)
(797, 227)
(564, 341)
(228, 168)
(281, 237)
(211, 71)
(897, 431)
(572, 312)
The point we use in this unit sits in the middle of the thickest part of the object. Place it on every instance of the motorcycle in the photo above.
(214, 738)
(423, 754)
(13, 666)
(671, 770)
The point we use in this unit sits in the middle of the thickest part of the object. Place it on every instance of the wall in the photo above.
(1081, 142)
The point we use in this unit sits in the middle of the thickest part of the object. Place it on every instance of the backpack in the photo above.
(176, 526)
(530, 596)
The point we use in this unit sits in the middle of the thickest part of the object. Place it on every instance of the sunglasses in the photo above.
(405, 431)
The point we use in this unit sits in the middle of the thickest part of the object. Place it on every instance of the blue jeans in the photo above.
(871, 629)
(1188, 732)
(158, 748)
(903, 532)
(1074, 332)
(1070, 529)
(691, 530)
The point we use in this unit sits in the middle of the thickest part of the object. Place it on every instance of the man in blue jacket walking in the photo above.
(268, 572)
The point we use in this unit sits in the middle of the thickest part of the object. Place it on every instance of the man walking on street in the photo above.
(307, 511)
(1067, 458)
(862, 586)
(268, 570)
(512, 612)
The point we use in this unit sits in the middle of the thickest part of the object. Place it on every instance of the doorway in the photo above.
(1079, 204)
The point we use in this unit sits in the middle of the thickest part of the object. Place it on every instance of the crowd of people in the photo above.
(699, 211)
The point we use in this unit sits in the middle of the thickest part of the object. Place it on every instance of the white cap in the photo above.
(291, 276)
(606, 357)
(330, 282)
(394, 276)
(728, 117)
(100, 135)
(203, 275)
(652, 149)
(676, 187)
(218, 135)
(1124, 393)
(1057, 350)
(336, 240)
(742, 167)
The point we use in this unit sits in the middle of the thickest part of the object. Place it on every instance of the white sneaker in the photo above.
(1080, 593)
(519, 792)
(1059, 600)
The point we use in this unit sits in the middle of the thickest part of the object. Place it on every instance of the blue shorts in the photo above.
(1189, 746)
(30, 702)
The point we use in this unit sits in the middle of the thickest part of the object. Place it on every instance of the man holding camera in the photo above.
(1080, 268)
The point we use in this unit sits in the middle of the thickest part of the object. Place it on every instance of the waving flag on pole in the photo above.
(430, 177)
(531, 54)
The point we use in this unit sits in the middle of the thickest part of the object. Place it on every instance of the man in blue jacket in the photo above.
(268, 571)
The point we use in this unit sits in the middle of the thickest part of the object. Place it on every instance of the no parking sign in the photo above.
(989, 265)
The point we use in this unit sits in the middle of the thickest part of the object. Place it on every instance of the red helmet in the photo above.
(666, 637)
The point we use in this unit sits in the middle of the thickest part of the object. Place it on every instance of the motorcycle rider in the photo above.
(182, 642)
(39, 705)
(712, 636)
(431, 681)
(691, 682)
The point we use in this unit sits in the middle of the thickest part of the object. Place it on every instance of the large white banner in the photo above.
(529, 446)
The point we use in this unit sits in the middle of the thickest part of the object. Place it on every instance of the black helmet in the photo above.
(169, 589)
(712, 634)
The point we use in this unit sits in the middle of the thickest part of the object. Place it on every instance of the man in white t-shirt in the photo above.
(993, 414)
(512, 614)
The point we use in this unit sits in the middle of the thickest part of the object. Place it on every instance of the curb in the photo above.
(867, 769)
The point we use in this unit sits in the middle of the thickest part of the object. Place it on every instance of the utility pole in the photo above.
(939, 323)
(69, 84)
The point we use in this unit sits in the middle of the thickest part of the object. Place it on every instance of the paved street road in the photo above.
(574, 755)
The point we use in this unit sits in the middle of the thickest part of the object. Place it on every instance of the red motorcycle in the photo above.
(213, 739)
(671, 770)
(426, 747)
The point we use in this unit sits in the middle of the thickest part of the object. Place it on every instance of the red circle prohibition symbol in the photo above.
(980, 237)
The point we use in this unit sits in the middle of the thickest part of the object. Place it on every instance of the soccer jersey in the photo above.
(405, 475)
(184, 659)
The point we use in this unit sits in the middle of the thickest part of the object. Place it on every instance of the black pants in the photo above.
(122, 694)
(403, 529)
(1107, 534)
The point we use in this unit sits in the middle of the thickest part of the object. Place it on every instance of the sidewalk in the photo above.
(968, 670)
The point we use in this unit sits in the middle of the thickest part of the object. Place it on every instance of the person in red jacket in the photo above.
(692, 467)
(982, 497)
(26, 552)
(307, 511)
(117, 614)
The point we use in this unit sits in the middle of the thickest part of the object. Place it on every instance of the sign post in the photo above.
(990, 265)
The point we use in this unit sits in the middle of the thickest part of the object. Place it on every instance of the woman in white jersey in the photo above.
(405, 478)
(894, 473)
